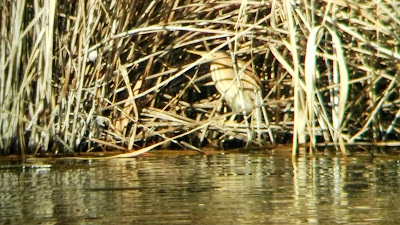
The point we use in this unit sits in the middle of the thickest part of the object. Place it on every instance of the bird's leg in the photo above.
(232, 119)
(248, 130)
(258, 120)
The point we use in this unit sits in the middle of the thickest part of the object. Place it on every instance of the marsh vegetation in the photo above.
(100, 75)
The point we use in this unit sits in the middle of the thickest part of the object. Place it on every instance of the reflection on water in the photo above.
(216, 189)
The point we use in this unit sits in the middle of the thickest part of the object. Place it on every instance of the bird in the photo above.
(241, 90)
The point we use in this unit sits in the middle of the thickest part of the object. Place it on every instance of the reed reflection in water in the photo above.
(216, 189)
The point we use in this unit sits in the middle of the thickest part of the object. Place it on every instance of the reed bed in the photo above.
(105, 75)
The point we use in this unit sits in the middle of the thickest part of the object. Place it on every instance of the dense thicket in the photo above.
(84, 75)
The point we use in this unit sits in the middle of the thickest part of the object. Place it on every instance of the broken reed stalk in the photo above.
(93, 75)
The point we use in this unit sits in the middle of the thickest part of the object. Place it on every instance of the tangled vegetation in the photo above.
(100, 75)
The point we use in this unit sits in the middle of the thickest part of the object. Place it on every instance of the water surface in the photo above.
(239, 188)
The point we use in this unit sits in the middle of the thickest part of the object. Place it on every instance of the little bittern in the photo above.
(240, 91)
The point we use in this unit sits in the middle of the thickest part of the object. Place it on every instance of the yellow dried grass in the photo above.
(76, 75)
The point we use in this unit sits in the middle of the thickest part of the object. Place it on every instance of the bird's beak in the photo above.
(200, 53)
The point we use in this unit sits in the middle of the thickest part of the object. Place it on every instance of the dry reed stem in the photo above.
(93, 75)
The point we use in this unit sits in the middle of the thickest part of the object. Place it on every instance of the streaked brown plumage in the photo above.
(240, 95)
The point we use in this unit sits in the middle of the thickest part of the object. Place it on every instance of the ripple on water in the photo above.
(213, 189)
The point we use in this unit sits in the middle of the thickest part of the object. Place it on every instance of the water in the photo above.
(215, 189)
